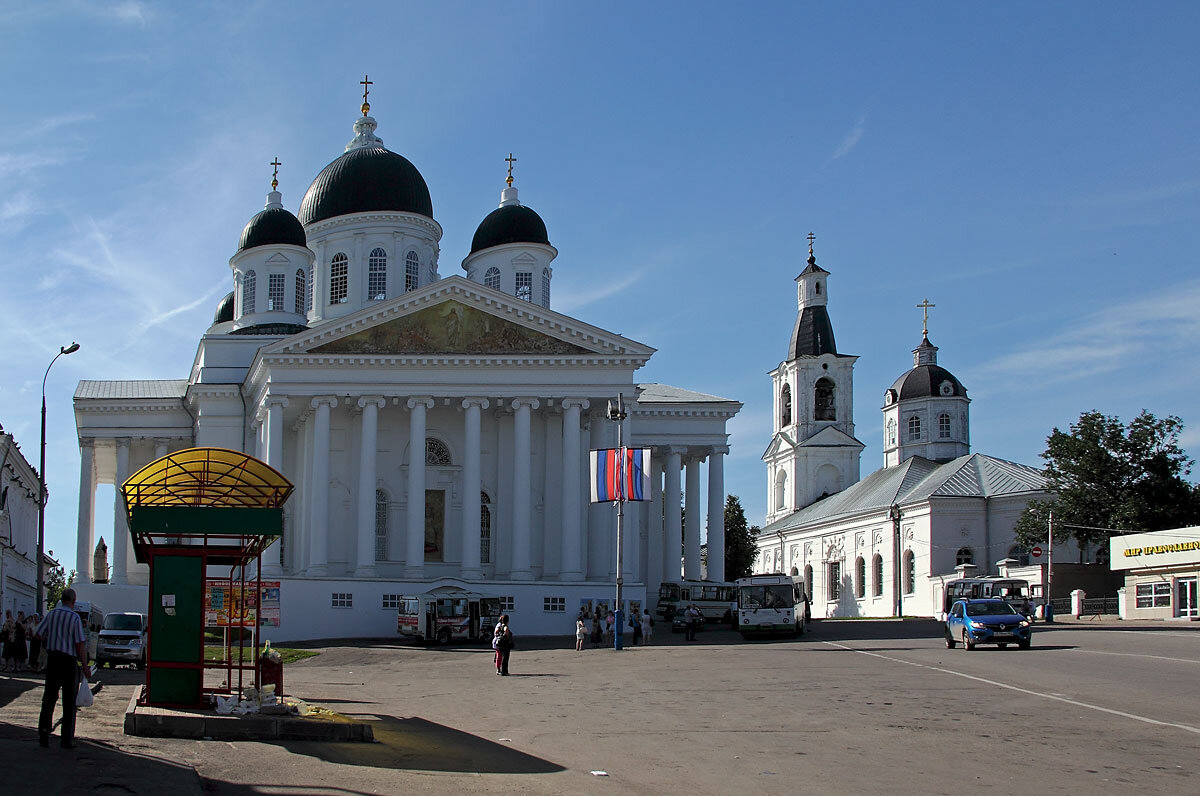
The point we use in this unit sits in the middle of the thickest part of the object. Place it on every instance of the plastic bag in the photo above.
(83, 697)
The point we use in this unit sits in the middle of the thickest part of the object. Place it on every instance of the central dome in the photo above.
(364, 180)
(510, 224)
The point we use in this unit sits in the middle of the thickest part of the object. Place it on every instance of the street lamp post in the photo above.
(41, 539)
(617, 414)
(898, 569)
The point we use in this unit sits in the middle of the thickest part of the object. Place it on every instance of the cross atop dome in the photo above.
(925, 307)
(510, 160)
(366, 83)
(275, 174)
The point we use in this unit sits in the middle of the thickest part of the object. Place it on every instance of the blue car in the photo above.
(986, 622)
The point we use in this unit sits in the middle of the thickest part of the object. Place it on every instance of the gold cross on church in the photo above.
(366, 83)
(811, 238)
(510, 160)
(275, 175)
(925, 305)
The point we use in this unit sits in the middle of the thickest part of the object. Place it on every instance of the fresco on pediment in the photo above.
(449, 328)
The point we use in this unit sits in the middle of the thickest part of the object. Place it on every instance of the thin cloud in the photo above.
(1136, 196)
(574, 300)
(852, 138)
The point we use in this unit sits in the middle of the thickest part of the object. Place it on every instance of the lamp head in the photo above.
(71, 349)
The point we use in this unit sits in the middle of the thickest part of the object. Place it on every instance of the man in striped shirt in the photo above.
(65, 641)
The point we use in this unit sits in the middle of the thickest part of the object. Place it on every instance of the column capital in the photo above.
(275, 400)
(719, 450)
(530, 403)
(422, 400)
(677, 450)
(260, 415)
(87, 442)
(122, 442)
(474, 401)
(366, 400)
(575, 403)
(324, 400)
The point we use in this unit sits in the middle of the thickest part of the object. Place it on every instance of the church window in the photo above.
(808, 582)
(835, 580)
(524, 286)
(891, 432)
(412, 272)
(381, 525)
(275, 286)
(492, 278)
(485, 528)
(248, 285)
(943, 426)
(377, 275)
(436, 452)
(964, 556)
(780, 490)
(877, 565)
(817, 288)
(308, 294)
(785, 406)
(910, 572)
(1019, 554)
(860, 577)
(301, 290)
(914, 427)
(546, 288)
(823, 400)
(339, 279)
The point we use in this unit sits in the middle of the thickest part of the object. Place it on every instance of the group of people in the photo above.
(502, 643)
(641, 627)
(22, 649)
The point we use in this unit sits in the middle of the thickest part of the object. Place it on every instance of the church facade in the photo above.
(880, 545)
(436, 427)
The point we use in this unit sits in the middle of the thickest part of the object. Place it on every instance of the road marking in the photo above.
(1053, 697)
(1138, 655)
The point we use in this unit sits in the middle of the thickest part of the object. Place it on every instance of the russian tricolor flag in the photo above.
(620, 474)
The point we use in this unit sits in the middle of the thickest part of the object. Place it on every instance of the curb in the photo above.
(150, 722)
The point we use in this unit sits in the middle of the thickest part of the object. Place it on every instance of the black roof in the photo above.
(224, 310)
(924, 381)
(510, 224)
(271, 227)
(813, 334)
(366, 179)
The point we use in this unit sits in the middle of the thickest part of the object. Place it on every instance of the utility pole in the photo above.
(617, 414)
(1049, 611)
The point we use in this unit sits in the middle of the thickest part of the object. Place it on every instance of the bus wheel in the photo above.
(443, 636)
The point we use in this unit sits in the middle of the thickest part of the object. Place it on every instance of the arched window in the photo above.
(914, 427)
(877, 566)
(436, 452)
(891, 433)
(412, 272)
(910, 572)
(817, 288)
(377, 275)
(785, 406)
(546, 288)
(964, 556)
(1019, 554)
(943, 426)
(308, 294)
(808, 582)
(492, 278)
(524, 285)
(339, 279)
(860, 577)
(823, 400)
(381, 525)
(485, 528)
(275, 287)
(248, 285)
(780, 490)
(301, 291)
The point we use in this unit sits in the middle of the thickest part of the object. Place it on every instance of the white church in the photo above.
(880, 545)
(436, 427)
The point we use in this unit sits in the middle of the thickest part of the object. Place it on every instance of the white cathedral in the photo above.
(436, 427)
(882, 545)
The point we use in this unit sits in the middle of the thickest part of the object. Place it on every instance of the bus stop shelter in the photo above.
(197, 515)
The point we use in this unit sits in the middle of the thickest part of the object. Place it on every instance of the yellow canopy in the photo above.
(206, 477)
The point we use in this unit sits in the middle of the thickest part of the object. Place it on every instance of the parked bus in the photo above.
(771, 604)
(93, 622)
(715, 600)
(1013, 591)
(444, 617)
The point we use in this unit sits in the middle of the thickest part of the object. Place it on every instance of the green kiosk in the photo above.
(198, 515)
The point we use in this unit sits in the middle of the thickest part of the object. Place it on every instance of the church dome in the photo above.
(365, 179)
(928, 381)
(510, 224)
(224, 312)
(270, 227)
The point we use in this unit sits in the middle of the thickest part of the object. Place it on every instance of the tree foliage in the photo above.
(740, 550)
(57, 580)
(1109, 475)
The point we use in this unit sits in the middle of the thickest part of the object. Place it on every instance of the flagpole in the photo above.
(618, 414)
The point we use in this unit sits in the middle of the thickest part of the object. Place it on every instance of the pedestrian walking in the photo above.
(597, 633)
(66, 647)
(19, 637)
(502, 642)
(647, 627)
(610, 622)
(8, 637)
(581, 634)
(636, 622)
(691, 620)
(35, 643)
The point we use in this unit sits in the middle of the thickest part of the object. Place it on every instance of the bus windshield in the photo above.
(408, 607)
(777, 595)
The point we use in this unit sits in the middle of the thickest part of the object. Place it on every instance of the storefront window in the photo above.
(1154, 595)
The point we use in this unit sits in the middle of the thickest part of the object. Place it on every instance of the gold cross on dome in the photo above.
(925, 305)
(275, 175)
(811, 238)
(510, 160)
(366, 83)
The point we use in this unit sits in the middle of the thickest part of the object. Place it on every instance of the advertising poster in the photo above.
(226, 604)
(585, 609)
(268, 604)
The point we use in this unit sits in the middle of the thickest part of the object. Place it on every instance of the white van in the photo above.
(93, 619)
(123, 640)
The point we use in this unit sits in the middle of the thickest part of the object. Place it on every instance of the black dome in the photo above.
(272, 227)
(925, 381)
(224, 312)
(366, 179)
(510, 224)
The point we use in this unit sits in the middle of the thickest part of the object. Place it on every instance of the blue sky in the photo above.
(1031, 168)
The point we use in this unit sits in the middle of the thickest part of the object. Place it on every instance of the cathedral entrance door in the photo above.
(435, 524)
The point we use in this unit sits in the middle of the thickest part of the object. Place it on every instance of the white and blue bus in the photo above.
(771, 604)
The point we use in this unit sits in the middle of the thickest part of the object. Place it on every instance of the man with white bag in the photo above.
(65, 642)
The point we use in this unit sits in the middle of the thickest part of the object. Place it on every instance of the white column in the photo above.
(120, 565)
(716, 513)
(654, 530)
(161, 447)
(259, 425)
(631, 532)
(318, 522)
(415, 526)
(87, 494)
(572, 498)
(672, 519)
(522, 513)
(274, 447)
(472, 486)
(365, 562)
(691, 531)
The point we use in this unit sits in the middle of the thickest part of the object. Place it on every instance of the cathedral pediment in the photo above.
(830, 437)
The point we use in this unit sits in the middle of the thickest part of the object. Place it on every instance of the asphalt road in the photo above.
(854, 707)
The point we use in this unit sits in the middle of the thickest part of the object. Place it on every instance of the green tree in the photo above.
(740, 550)
(57, 580)
(1105, 474)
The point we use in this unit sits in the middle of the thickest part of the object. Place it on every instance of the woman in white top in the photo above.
(646, 628)
(581, 634)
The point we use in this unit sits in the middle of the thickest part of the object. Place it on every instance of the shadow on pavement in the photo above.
(12, 687)
(419, 745)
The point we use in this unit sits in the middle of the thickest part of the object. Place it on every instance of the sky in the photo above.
(1031, 168)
